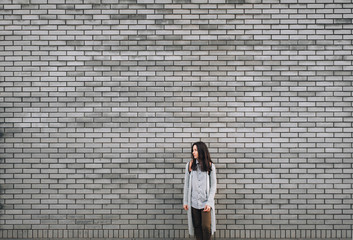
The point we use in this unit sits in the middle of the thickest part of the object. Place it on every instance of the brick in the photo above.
(105, 110)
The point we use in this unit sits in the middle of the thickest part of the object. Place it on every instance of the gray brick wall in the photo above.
(101, 100)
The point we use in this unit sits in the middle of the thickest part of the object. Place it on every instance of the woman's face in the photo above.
(195, 153)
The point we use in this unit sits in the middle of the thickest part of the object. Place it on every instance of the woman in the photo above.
(199, 191)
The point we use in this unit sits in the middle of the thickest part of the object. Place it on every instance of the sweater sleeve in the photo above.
(213, 187)
(186, 185)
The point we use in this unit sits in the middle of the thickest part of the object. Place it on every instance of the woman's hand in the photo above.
(207, 208)
(186, 207)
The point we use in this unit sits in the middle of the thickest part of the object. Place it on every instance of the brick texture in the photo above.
(101, 100)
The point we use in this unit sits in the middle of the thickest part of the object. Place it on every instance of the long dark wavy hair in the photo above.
(204, 157)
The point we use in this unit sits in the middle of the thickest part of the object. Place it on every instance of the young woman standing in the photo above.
(200, 186)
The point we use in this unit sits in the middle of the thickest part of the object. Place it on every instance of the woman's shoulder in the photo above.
(188, 165)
